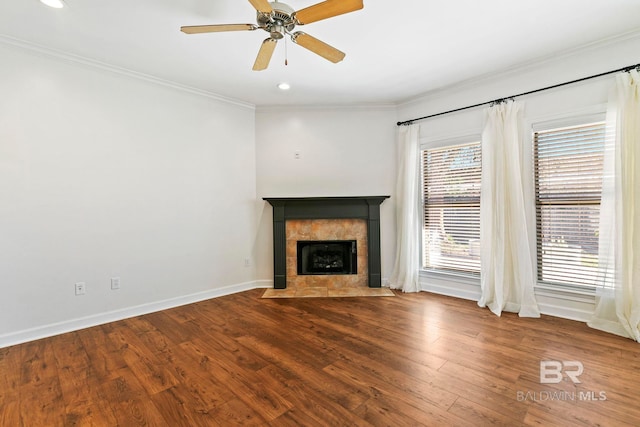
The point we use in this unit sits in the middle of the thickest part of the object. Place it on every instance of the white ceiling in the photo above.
(396, 50)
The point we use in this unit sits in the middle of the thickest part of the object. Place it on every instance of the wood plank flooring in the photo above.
(409, 360)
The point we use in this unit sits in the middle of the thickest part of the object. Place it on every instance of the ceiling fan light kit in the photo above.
(279, 19)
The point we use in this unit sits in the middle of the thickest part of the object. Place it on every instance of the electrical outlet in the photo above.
(247, 262)
(297, 155)
(115, 283)
(81, 288)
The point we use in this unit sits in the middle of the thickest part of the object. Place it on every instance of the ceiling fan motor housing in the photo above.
(278, 22)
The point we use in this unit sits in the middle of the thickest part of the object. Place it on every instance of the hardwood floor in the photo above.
(413, 359)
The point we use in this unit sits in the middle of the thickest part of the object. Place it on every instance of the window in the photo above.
(451, 186)
(568, 166)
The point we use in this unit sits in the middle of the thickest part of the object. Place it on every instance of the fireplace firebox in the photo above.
(327, 257)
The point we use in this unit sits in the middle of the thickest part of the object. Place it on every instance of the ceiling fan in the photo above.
(279, 19)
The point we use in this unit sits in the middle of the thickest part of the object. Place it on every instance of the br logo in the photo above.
(551, 371)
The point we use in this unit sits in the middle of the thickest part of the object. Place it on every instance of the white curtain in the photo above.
(406, 268)
(618, 297)
(506, 270)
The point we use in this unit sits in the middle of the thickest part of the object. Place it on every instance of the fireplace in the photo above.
(334, 257)
(344, 233)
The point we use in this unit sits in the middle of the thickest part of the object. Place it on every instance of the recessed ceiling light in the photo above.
(57, 4)
(284, 86)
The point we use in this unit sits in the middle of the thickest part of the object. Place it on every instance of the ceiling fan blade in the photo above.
(264, 54)
(261, 6)
(196, 29)
(327, 9)
(318, 47)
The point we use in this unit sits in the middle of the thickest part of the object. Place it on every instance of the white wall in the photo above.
(577, 99)
(103, 175)
(344, 151)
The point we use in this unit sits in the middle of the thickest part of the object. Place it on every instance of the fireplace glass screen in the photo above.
(327, 257)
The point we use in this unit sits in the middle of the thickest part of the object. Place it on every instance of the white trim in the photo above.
(125, 313)
(551, 303)
(10, 41)
(594, 113)
(517, 69)
(450, 292)
(279, 108)
(580, 312)
(433, 142)
(563, 306)
(454, 286)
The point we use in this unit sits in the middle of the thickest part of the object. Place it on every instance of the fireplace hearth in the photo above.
(328, 219)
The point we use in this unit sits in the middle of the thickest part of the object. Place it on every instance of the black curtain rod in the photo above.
(624, 69)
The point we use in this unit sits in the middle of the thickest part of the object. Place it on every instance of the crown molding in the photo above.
(325, 107)
(519, 68)
(92, 63)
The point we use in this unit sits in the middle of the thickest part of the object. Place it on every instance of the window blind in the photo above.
(451, 194)
(568, 176)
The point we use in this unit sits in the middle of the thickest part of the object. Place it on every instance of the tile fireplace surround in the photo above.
(326, 218)
(326, 229)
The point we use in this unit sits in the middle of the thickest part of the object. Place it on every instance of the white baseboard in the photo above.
(566, 306)
(125, 313)
(452, 292)
(581, 311)
(571, 313)
(461, 288)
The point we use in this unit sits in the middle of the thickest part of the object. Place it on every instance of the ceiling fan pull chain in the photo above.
(286, 55)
